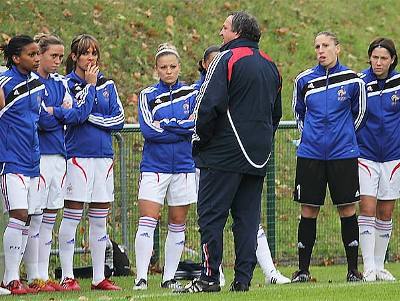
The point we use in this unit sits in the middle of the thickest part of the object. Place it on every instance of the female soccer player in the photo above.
(20, 98)
(329, 104)
(90, 161)
(379, 143)
(167, 168)
(55, 113)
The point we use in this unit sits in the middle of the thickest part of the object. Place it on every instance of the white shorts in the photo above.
(380, 180)
(53, 170)
(20, 192)
(178, 189)
(90, 180)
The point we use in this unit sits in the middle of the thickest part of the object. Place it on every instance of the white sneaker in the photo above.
(140, 285)
(384, 275)
(369, 276)
(4, 291)
(276, 278)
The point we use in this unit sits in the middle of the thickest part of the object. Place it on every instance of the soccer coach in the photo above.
(238, 111)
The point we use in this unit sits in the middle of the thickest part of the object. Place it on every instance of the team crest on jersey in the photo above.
(185, 108)
(341, 94)
(106, 94)
(395, 98)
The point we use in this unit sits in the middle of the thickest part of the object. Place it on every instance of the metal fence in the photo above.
(280, 215)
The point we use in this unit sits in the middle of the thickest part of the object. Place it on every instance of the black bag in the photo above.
(188, 270)
(121, 265)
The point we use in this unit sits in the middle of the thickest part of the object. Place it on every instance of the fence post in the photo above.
(3, 218)
(271, 202)
(122, 178)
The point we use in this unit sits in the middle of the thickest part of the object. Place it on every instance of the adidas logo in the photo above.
(310, 86)
(180, 243)
(354, 243)
(385, 235)
(16, 93)
(158, 101)
(366, 232)
(104, 238)
(357, 194)
(48, 243)
(35, 236)
(72, 241)
(145, 234)
(300, 245)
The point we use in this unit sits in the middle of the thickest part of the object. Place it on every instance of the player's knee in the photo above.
(20, 214)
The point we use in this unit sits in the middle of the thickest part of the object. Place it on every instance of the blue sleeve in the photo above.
(81, 109)
(212, 101)
(47, 122)
(359, 104)
(114, 121)
(149, 131)
(298, 104)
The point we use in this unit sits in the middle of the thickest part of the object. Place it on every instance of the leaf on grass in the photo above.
(170, 32)
(282, 31)
(45, 29)
(169, 21)
(148, 13)
(227, 5)
(137, 75)
(83, 298)
(67, 13)
(6, 37)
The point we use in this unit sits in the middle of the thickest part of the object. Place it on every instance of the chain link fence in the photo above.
(280, 215)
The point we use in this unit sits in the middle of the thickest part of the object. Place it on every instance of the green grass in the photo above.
(330, 285)
(130, 30)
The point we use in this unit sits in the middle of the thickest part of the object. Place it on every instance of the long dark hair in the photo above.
(206, 55)
(388, 44)
(14, 47)
(79, 45)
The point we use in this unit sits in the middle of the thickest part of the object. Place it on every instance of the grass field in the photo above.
(330, 285)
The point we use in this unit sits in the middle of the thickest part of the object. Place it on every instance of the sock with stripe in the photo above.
(173, 249)
(31, 253)
(263, 253)
(350, 236)
(45, 241)
(66, 238)
(383, 233)
(144, 245)
(12, 246)
(97, 241)
(366, 225)
(306, 235)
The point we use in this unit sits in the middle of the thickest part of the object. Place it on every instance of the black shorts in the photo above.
(313, 175)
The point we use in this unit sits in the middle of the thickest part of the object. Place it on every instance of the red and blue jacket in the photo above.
(379, 139)
(329, 106)
(238, 110)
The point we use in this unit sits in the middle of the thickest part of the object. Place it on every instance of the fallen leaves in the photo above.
(67, 13)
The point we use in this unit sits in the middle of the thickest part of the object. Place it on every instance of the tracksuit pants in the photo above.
(219, 193)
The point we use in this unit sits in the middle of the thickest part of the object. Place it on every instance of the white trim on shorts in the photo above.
(179, 189)
(379, 179)
(90, 180)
